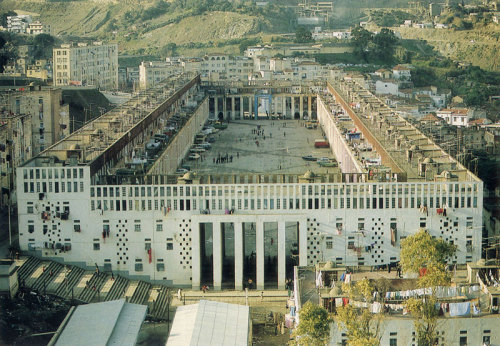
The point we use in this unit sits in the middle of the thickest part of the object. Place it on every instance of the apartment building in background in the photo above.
(85, 65)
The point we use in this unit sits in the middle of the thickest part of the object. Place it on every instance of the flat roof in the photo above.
(109, 323)
(118, 126)
(210, 323)
(394, 137)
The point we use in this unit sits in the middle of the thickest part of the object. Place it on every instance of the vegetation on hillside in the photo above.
(388, 18)
(374, 48)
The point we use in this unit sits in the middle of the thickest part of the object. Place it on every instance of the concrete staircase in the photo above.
(70, 282)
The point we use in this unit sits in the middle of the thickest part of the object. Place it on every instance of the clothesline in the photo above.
(440, 291)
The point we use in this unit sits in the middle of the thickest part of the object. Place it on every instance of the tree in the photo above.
(43, 45)
(360, 39)
(425, 317)
(302, 35)
(358, 322)
(420, 250)
(384, 43)
(314, 326)
(3, 17)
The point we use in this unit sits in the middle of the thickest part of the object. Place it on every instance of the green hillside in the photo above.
(147, 27)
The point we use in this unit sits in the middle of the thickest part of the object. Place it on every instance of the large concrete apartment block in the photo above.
(93, 198)
(81, 65)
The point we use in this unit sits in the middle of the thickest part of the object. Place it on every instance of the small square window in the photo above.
(170, 246)
(138, 267)
(159, 227)
(329, 244)
(97, 246)
(160, 267)
(137, 227)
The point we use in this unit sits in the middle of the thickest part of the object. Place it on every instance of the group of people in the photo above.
(224, 158)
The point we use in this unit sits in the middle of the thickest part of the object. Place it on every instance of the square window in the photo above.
(159, 227)
(97, 246)
(329, 244)
(160, 267)
(170, 246)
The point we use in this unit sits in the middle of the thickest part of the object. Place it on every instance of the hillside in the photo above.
(480, 47)
(148, 27)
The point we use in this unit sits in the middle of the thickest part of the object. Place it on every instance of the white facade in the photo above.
(18, 24)
(95, 65)
(331, 218)
(384, 87)
(451, 331)
(455, 117)
(401, 72)
(157, 230)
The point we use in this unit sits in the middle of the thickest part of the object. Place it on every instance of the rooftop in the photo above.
(105, 134)
(210, 323)
(108, 323)
(402, 147)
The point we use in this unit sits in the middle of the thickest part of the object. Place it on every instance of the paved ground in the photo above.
(280, 148)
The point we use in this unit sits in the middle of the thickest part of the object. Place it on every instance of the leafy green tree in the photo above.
(303, 35)
(314, 326)
(360, 40)
(384, 44)
(423, 251)
(43, 45)
(425, 318)
(358, 322)
(420, 250)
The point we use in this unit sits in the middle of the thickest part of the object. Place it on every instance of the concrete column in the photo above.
(250, 104)
(241, 107)
(195, 253)
(217, 255)
(224, 107)
(309, 106)
(216, 107)
(233, 108)
(283, 103)
(302, 242)
(301, 105)
(260, 254)
(281, 255)
(292, 98)
(238, 256)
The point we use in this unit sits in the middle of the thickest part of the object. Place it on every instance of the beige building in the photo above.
(153, 72)
(37, 28)
(49, 114)
(95, 64)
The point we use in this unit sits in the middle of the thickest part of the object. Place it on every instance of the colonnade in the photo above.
(237, 222)
(289, 106)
